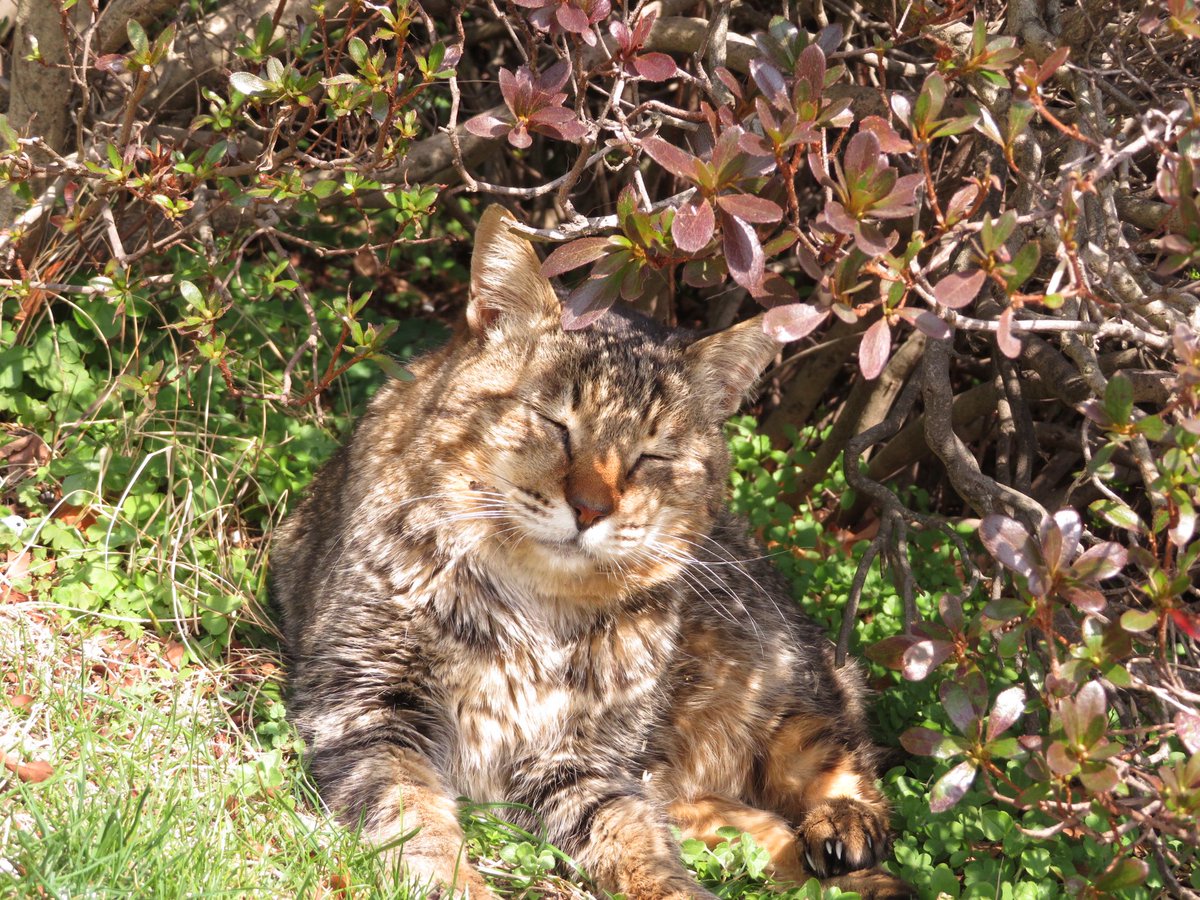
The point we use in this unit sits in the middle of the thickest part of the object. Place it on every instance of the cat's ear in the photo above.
(507, 285)
(728, 363)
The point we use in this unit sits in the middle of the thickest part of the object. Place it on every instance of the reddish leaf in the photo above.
(553, 78)
(704, 272)
(809, 263)
(961, 201)
(862, 156)
(1090, 601)
(1008, 541)
(678, 162)
(20, 701)
(1099, 778)
(957, 289)
(1060, 537)
(570, 129)
(890, 651)
(770, 81)
(1100, 562)
(556, 116)
(641, 31)
(923, 657)
(874, 349)
(776, 291)
(750, 208)
(655, 66)
(519, 137)
(794, 321)
(950, 606)
(1009, 345)
(872, 241)
(925, 321)
(1009, 705)
(589, 301)
(1090, 720)
(897, 204)
(743, 253)
(976, 687)
(693, 225)
(488, 126)
(889, 140)
(927, 742)
(952, 786)
(1052, 63)
(1185, 525)
(810, 67)
(1187, 729)
(959, 706)
(838, 218)
(573, 255)
(511, 84)
(112, 63)
(572, 18)
(33, 772)
(1059, 761)
(1187, 622)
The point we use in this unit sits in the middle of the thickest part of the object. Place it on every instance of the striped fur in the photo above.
(518, 582)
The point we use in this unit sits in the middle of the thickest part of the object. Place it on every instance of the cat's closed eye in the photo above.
(563, 431)
(645, 459)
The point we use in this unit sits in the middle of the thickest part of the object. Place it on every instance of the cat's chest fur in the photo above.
(543, 687)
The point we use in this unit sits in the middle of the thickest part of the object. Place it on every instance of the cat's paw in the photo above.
(445, 877)
(668, 887)
(842, 835)
(875, 884)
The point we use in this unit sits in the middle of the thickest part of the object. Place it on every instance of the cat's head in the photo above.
(585, 461)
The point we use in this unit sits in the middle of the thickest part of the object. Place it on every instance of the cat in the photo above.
(519, 582)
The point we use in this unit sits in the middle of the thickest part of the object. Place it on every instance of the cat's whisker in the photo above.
(655, 555)
(729, 560)
(704, 581)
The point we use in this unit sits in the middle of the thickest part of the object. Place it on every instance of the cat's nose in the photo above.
(589, 511)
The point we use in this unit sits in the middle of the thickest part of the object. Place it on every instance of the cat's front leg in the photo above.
(393, 791)
(622, 839)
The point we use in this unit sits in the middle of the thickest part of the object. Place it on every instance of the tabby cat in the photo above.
(519, 582)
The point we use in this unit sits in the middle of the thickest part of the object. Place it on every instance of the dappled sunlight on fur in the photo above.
(519, 582)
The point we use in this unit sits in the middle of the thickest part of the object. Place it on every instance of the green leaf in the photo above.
(1153, 427)
(1126, 874)
(137, 36)
(1023, 264)
(191, 294)
(1117, 514)
(1118, 399)
(248, 84)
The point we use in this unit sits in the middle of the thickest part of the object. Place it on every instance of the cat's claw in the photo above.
(843, 835)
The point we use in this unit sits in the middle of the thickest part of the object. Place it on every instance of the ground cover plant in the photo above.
(976, 226)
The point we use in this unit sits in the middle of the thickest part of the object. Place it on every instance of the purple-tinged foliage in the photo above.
(535, 104)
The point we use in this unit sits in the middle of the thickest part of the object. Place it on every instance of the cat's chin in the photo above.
(571, 569)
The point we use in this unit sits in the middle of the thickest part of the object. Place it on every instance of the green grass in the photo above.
(163, 783)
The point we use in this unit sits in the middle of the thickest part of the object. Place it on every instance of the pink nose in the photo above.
(589, 511)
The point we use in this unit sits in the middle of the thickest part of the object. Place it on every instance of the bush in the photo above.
(986, 219)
